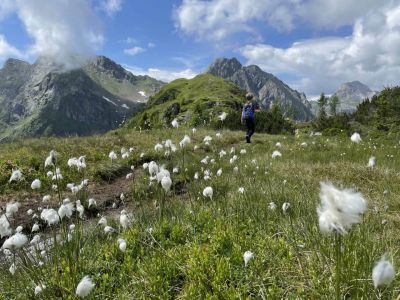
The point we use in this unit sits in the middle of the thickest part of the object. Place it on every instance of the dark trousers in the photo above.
(250, 124)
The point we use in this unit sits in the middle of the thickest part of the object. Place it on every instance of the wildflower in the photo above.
(35, 227)
(49, 174)
(355, 138)
(241, 190)
(15, 241)
(158, 147)
(371, 162)
(79, 208)
(278, 145)
(207, 139)
(163, 173)
(57, 175)
(153, 168)
(185, 141)
(145, 166)
(276, 154)
(19, 229)
(196, 176)
(272, 206)
(108, 229)
(36, 184)
(12, 269)
(5, 228)
(50, 216)
(243, 151)
(124, 220)
(102, 221)
(222, 153)
(285, 206)
(247, 256)
(236, 169)
(219, 172)
(12, 208)
(39, 288)
(218, 135)
(35, 239)
(46, 198)
(175, 170)
(383, 273)
(15, 176)
(51, 159)
(208, 192)
(66, 209)
(29, 212)
(166, 183)
(175, 123)
(222, 116)
(303, 144)
(339, 209)
(92, 202)
(113, 155)
(84, 287)
(122, 245)
(194, 130)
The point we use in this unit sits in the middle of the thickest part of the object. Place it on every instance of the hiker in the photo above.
(248, 115)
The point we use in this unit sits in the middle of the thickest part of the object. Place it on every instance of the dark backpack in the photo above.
(248, 111)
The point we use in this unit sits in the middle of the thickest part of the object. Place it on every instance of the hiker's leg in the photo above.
(252, 126)
(248, 133)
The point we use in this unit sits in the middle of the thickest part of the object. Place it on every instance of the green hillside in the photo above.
(191, 101)
(199, 101)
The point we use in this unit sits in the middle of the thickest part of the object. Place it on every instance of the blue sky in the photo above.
(313, 45)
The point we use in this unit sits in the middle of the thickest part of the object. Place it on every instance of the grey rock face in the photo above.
(266, 87)
(42, 99)
(351, 94)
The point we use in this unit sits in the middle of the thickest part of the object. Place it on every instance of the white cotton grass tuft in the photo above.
(272, 206)
(278, 145)
(383, 273)
(175, 123)
(185, 141)
(285, 206)
(66, 209)
(339, 209)
(124, 220)
(371, 162)
(92, 202)
(36, 184)
(356, 138)
(12, 208)
(166, 183)
(5, 228)
(16, 175)
(39, 289)
(51, 159)
(276, 154)
(222, 116)
(84, 287)
(247, 256)
(15, 241)
(112, 155)
(208, 192)
(121, 244)
(50, 216)
(12, 269)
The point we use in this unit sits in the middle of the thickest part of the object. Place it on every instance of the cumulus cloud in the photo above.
(162, 74)
(370, 55)
(66, 30)
(6, 50)
(134, 50)
(111, 6)
(217, 19)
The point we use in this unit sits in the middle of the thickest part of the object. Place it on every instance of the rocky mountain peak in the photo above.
(13, 64)
(224, 67)
(351, 94)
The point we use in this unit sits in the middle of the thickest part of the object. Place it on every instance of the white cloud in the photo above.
(217, 19)
(6, 50)
(370, 55)
(162, 74)
(66, 30)
(111, 6)
(134, 51)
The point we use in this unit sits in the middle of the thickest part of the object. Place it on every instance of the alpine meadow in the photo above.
(143, 180)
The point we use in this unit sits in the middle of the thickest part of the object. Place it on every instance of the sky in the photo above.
(312, 45)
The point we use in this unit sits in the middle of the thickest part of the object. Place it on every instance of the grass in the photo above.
(196, 250)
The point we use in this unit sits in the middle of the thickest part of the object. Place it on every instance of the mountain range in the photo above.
(44, 99)
(266, 87)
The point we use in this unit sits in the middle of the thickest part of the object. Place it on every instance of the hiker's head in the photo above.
(249, 96)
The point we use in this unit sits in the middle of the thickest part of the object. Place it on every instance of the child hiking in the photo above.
(248, 112)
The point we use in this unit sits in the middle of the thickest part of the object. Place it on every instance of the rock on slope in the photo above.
(351, 94)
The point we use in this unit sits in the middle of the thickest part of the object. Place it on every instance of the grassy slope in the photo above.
(199, 100)
(196, 252)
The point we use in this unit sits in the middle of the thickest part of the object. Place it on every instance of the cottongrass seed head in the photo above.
(383, 273)
(84, 287)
